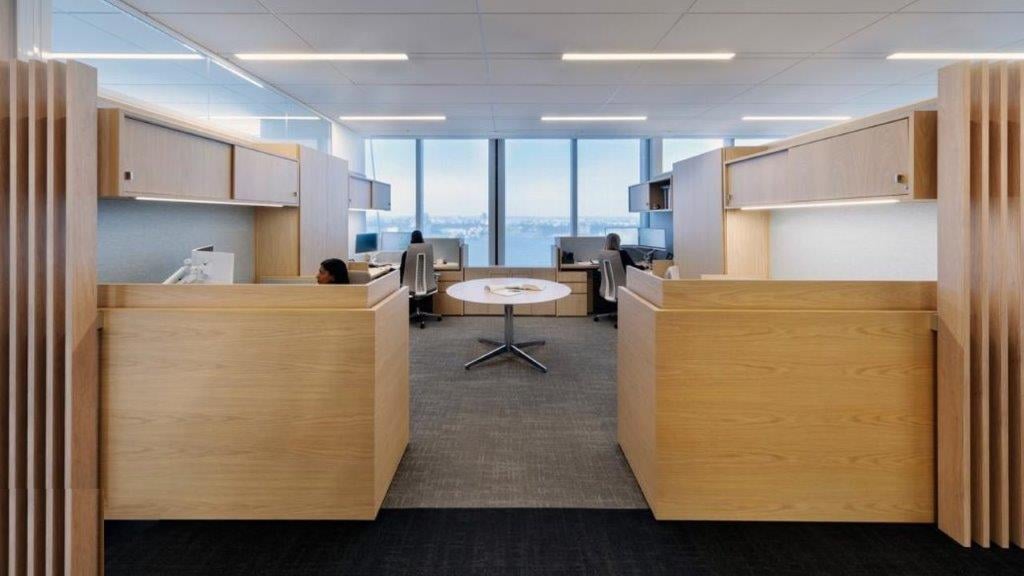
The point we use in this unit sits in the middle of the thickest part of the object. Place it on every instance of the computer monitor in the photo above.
(652, 238)
(366, 243)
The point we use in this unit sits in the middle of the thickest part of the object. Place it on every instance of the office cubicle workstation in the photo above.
(703, 310)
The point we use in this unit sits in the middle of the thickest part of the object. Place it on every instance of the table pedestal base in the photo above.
(509, 346)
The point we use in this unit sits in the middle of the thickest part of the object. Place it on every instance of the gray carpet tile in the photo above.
(506, 435)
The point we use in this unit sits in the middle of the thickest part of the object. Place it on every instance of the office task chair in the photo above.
(613, 275)
(420, 279)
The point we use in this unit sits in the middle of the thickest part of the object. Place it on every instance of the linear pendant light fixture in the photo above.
(867, 202)
(323, 57)
(593, 118)
(122, 56)
(221, 202)
(285, 118)
(644, 56)
(795, 118)
(435, 118)
(956, 56)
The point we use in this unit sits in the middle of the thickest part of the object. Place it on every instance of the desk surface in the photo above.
(476, 291)
(578, 266)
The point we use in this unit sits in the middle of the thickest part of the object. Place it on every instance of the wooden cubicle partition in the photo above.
(49, 516)
(778, 400)
(981, 276)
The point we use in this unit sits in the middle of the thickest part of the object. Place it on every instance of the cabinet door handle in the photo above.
(900, 179)
(129, 175)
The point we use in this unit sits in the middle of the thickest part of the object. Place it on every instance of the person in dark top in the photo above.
(332, 271)
(416, 238)
(613, 242)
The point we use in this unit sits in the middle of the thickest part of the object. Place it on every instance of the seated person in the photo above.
(332, 271)
(416, 238)
(613, 242)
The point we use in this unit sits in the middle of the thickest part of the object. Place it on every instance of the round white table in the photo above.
(475, 291)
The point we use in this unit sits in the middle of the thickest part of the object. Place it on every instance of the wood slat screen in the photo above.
(981, 276)
(50, 519)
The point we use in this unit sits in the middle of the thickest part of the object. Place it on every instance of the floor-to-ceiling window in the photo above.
(604, 171)
(537, 199)
(456, 183)
(394, 162)
(675, 149)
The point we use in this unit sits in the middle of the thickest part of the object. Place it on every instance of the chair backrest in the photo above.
(613, 274)
(419, 269)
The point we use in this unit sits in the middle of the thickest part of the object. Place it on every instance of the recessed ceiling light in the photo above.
(641, 56)
(795, 118)
(593, 118)
(238, 73)
(823, 204)
(957, 56)
(121, 56)
(261, 117)
(392, 118)
(349, 57)
(223, 202)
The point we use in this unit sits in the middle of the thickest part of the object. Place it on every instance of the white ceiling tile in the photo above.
(295, 72)
(936, 32)
(545, 109)
(854, 71)
(371, 6)
(737, 71)
(897, 95)
(326, 92)
(417, 71)
(555, 33)
(753, 33)
(232, 33)
(581, 95)
(688, 94)
(966, 6)
(803, 93)
(437, 33)
(199, 6)
(117, 32)
(737, 110)
(335, 109)
(797, 6)
(552, 71)
(578, 6)
(82, 6)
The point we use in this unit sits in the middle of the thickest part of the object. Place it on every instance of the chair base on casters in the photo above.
(612, 315)
(421, 317)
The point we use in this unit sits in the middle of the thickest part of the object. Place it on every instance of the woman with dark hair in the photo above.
(332, 271)
(416, 238)
(613, 242)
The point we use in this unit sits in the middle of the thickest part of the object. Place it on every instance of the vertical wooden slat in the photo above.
(36, 320)
(980, 465)
(17, 342)
(953, 396)
(1015, 286)
(81, 432)
(5, 182)
(55, 257)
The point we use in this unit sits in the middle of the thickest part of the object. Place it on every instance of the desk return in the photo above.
(252, 401)
(763, 400)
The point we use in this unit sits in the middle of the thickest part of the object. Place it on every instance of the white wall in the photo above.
(881, 242)
(348, 145)
(147, 241)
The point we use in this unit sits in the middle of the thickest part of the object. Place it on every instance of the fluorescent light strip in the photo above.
(956, 56)
(645, 56)
(260, 117)
(120, 56)
(795, 118)
(222, 202)
(313, 56)
(823, 204)
(593, 118)
(238, 73)
(392, 118)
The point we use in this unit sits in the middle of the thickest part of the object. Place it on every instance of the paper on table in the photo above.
(512, 289)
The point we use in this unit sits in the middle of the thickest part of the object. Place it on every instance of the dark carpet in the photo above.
(540, 541)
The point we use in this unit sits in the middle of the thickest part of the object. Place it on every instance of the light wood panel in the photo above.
(6, 157)
(981, 498)
(276, 242)
(323, 217)
(748, 243)
(758, 181)
(50, 514)
(279, 413)
(264, 177)
(819, 415)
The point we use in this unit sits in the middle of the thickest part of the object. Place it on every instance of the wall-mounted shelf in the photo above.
(655, 195)
(888, 155)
